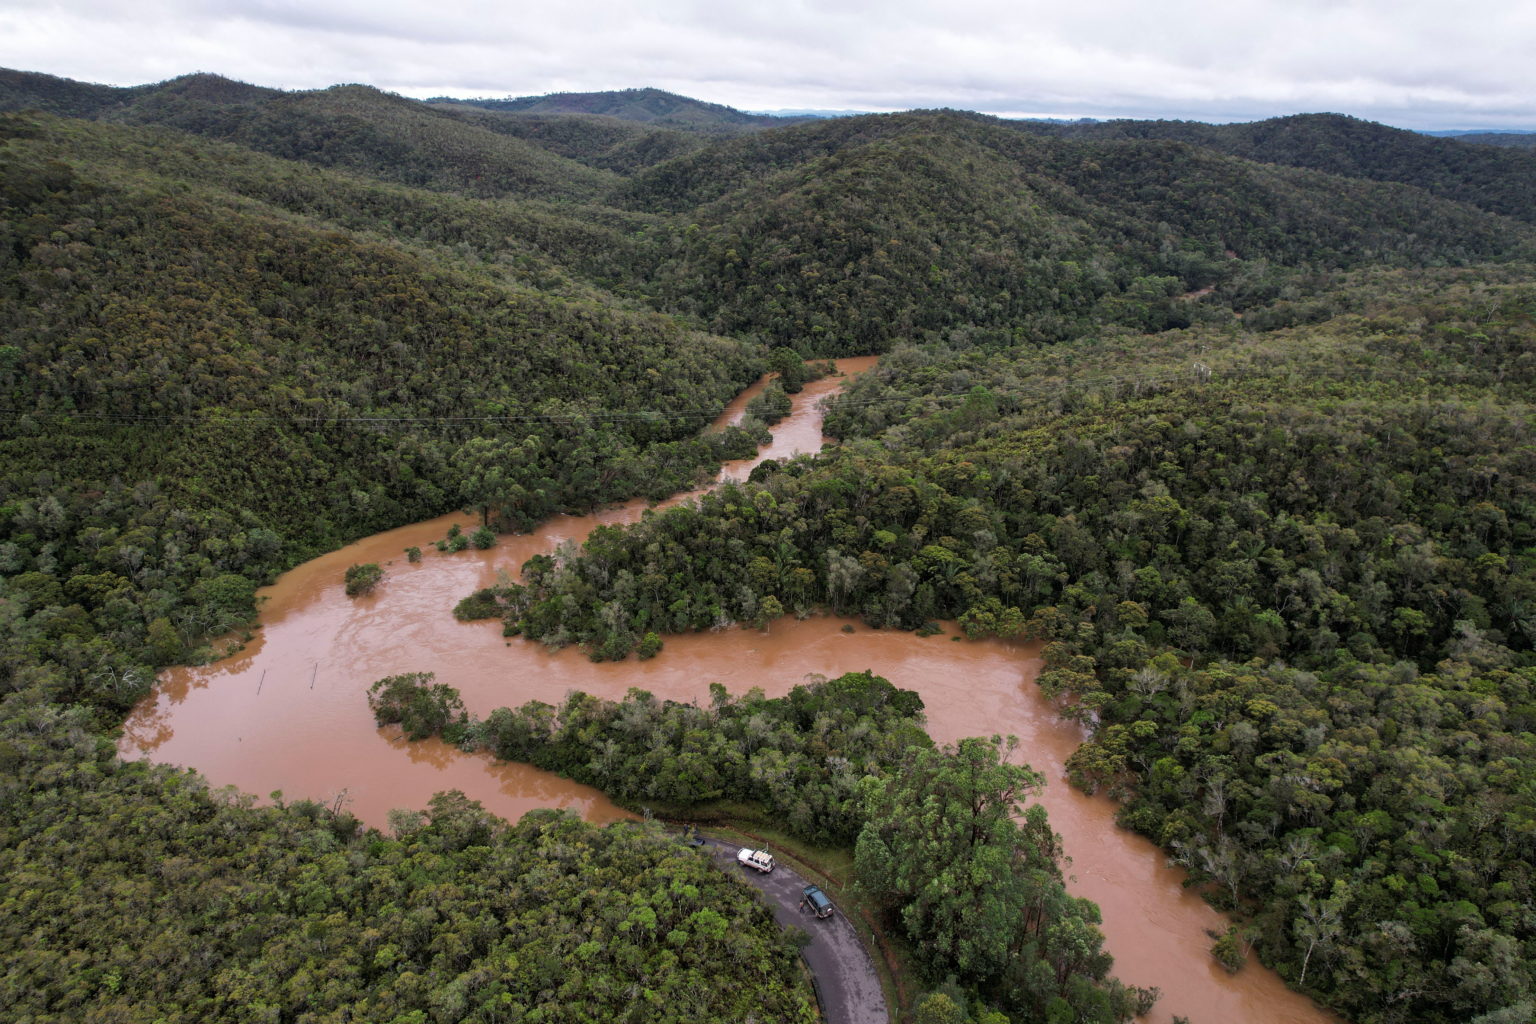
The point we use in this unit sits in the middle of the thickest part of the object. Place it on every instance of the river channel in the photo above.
(289, 712)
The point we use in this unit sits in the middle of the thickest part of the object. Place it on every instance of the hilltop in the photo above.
(648, 106)
(1500, 182)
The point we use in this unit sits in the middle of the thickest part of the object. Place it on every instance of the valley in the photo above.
(1218, 438)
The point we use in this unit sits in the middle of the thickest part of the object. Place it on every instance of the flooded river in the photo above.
(289, 712)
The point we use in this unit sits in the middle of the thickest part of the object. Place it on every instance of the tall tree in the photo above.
(942, 844)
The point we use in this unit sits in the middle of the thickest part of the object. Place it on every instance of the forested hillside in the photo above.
(1288, 578)
(1495, 180)
(847, 235)
(1236, 419)
(214, 364)
(351, 127)
(1512, 140)
(201, 384)
(137, 893)
(647, 106)
(604, 141)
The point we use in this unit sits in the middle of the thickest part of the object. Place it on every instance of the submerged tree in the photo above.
(361, 579)
(421, 707)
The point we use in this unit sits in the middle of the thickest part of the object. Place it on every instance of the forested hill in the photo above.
(352, 127)
(598, 140)
(29, 90)
(844, 235)
(180, 317)
(554, 147)
(841, 235)
(1498, 180)
(649, 106)
(1512, 140)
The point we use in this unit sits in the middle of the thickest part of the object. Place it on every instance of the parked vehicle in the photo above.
(816, 901)
(762, 860)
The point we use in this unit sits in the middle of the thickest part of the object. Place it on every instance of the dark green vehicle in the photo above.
(817, 901)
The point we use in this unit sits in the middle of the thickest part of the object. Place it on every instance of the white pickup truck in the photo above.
(762, 860)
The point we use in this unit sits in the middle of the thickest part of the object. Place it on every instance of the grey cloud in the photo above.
(1407, 62)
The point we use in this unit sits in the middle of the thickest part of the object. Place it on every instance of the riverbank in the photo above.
(288, 713)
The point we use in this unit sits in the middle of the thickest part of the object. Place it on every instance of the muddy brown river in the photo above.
(289, 712)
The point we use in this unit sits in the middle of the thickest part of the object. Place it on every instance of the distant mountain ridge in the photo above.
(846, 235)
(1457, 133)
(54, 95)
(648, 106)
(349, 127)
(570, 146)
(1509, 140)
(1500, 182)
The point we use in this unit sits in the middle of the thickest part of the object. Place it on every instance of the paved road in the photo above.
(845, 979)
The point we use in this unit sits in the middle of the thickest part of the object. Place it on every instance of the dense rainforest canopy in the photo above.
(137, 893)
(1291, 591)
(838, 762)
(1236, 419)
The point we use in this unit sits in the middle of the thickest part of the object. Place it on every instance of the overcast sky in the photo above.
(1412, 63)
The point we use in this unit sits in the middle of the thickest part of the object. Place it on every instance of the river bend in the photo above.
(289, 712)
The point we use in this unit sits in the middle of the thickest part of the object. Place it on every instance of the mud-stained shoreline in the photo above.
(288, 712)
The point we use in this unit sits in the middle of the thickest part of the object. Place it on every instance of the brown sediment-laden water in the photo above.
(289, 712)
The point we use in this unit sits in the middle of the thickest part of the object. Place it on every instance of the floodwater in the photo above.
(289, 712)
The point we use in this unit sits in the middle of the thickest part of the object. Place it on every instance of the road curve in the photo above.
(846, 981)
